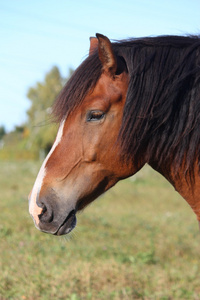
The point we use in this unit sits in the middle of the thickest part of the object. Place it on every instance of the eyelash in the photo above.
(95, 115)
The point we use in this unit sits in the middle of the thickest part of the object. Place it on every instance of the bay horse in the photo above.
(129, 103)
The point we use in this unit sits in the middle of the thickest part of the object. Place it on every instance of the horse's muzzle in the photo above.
(57, 227)
(68, 225)
(55, 217)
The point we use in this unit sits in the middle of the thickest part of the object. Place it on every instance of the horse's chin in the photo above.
(68, 225)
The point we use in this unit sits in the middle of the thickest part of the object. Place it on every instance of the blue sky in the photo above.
(35, 35)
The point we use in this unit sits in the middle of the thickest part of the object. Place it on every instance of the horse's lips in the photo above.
(67, 226)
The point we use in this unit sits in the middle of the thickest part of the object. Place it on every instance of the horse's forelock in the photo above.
(82, 81)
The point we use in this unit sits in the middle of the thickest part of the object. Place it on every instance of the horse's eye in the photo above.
(95, 115)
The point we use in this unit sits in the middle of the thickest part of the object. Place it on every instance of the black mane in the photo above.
(161, 117)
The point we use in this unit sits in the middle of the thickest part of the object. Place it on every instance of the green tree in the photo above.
(42, 96)
(2, 132)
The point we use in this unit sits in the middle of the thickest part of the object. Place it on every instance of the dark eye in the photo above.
(95, 115)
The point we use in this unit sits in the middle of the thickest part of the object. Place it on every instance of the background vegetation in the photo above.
(138, 241)
(33, 139)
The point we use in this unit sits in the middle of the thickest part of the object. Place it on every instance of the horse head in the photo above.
(85, 159)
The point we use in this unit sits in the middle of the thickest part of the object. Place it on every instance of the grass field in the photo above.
(138, 241)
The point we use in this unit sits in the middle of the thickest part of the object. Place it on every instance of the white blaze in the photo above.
(34, 209)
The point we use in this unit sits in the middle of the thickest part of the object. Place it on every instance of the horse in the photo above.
(130, 103)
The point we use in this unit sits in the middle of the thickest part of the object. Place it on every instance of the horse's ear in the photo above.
(93, 44)
(106, 55)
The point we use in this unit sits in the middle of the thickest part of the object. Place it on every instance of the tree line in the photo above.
(34, 138)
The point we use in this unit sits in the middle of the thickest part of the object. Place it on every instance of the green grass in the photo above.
(138, 241)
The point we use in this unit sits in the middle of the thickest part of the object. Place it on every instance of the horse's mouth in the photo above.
(68, 225)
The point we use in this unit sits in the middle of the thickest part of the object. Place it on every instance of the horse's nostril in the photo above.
(46, 215)
(44, 209)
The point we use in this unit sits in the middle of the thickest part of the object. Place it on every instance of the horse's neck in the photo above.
(188, 189)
